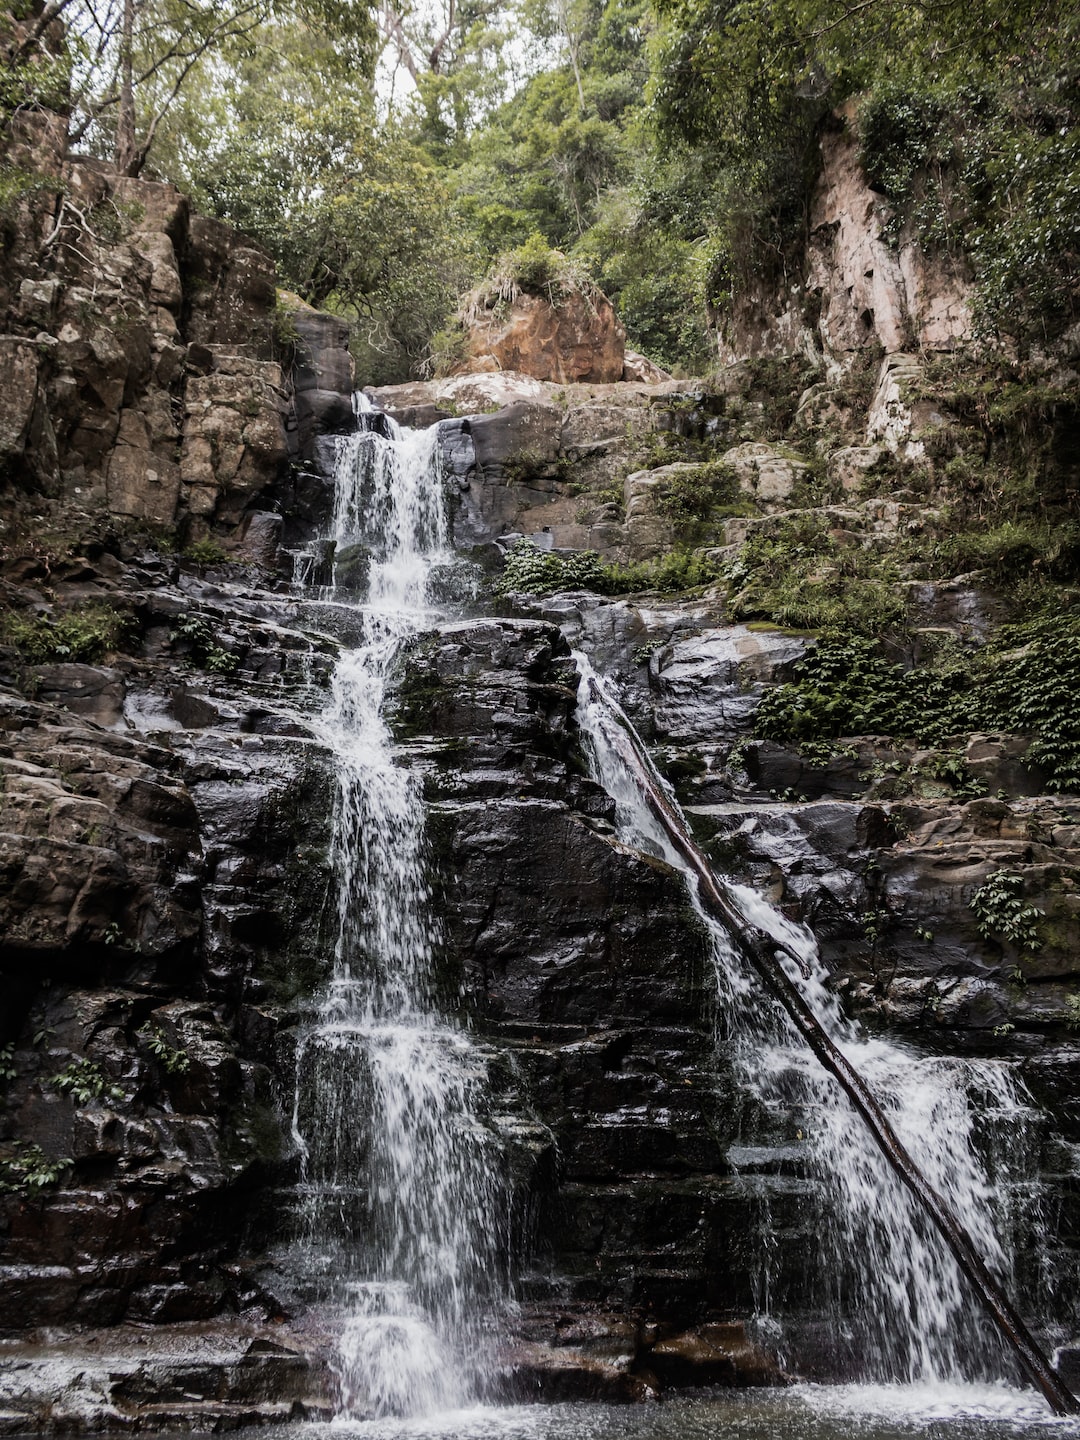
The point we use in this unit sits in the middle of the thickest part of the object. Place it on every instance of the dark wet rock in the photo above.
(206, 1377)
(93, 692)
(717, 1354)
(708, 686)
(585, 962)
(322, 380)
(162, 905)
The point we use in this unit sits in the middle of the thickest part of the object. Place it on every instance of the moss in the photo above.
(419, 694)
(767, 627)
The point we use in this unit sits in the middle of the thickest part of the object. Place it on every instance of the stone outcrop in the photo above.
(151, 812)
(323, 379)
(857, 290)
(139, 369)
(643, 371)
(528, 455)
(576, 338)
(212, 1377)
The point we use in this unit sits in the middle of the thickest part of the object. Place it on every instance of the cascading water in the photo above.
(402, 1206)
(903, 1311)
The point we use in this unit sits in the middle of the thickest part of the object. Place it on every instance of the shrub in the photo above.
(542, 572)
(1000, 911)
(691, 496)
(79, 635)
(205, 552)
(797, 575)
(29, 1168)
(533, 268)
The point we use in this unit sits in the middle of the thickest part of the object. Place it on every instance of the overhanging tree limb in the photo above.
(761, 952)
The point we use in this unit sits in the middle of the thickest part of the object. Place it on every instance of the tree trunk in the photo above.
(125, 152)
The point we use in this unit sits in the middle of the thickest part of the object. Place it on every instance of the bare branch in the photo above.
(435, 55)
(843, 19)
(390, 23)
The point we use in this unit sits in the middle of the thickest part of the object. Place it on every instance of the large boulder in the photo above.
(578, 337)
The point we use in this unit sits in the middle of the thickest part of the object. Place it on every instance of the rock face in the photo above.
(323, 380)
(857, 290)
(151, 879)
(138, 366)
(576, 338)
(550, 461)
(583, 962)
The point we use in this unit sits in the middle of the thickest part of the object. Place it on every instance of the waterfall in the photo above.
(402, 1204)
(900, 1306)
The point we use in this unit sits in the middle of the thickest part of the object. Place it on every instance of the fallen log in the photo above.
(761, 952)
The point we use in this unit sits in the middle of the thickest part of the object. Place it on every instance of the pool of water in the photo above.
(805, 1412)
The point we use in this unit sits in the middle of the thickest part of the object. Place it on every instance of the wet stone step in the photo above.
(768, 1159)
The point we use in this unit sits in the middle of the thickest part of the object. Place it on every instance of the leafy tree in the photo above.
(453, 55)
(128, 61)
(354, 214)
(983, 95)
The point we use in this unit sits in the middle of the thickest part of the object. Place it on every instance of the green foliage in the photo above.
(29, 1169)
(446, 350)
(678, 570)
(543, 572)
(201, 637)
(85, 1082)
(16, 187)
(76, 635)
(7, 1063)
(652, 272)
(38, 78)
(285, 332)
(968, 124)
(1025, 681)
(1000, 911)
(1031, 683)
(644, 653)
(536, 267)
(173, 1059)
(533, 268)
(356, 217)
(993, 171)
(844, 687)
(796, 575)
(207, 551)
(906, 137)
(692, 496)
(1072, 1012)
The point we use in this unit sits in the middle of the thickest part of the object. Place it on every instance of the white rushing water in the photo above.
(899, 1305)
(402, 1199)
